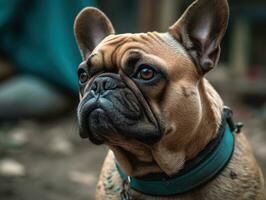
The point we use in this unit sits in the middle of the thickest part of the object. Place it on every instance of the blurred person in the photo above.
(38, 57)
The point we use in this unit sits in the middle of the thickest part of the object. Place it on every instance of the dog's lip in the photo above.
(91, 106)
(96, 137)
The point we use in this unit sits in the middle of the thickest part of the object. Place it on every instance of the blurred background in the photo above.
(41, 154)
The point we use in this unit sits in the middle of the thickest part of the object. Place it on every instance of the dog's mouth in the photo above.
(116, 111)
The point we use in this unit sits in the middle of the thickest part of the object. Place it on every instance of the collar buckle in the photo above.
(237, 128)
(229, 118)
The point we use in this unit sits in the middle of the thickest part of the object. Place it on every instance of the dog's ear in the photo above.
(201, 29)
(91, 27)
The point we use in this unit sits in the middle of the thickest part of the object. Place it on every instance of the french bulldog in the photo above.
(146, 97)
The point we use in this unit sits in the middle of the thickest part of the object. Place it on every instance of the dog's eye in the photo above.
(146, 73)
(83, 76)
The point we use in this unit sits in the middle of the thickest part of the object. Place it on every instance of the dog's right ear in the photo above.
(201, 29)
(91, 27)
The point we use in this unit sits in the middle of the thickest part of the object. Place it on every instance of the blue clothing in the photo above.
(37, 36)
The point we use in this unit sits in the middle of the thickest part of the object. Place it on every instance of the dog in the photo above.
(146, 97)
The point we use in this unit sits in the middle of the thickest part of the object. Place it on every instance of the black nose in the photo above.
(102, 84)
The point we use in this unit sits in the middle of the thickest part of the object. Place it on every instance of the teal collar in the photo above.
(200, 174)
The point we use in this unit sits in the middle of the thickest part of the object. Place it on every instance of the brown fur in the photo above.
(186, 103)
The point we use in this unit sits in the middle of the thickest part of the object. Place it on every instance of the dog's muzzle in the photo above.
(110, 107)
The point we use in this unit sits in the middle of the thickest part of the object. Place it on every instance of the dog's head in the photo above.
(142, 94)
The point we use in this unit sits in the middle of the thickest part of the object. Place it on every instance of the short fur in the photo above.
(184, 107)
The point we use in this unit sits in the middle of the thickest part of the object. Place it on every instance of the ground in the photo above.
(51, 162)
(58, 164)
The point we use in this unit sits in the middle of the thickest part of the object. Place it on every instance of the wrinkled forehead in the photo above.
(117, 50)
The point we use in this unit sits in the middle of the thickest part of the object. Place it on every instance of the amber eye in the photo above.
(83, 76)
(146, 73)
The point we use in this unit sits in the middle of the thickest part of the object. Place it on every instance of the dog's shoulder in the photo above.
(241, 178)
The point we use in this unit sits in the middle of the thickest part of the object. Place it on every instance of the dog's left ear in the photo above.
(91, 27)
(201, 29)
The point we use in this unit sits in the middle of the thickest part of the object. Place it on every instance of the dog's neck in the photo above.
(212, 109)
(172, 155)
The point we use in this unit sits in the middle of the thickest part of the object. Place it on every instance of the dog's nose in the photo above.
(102, 84)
